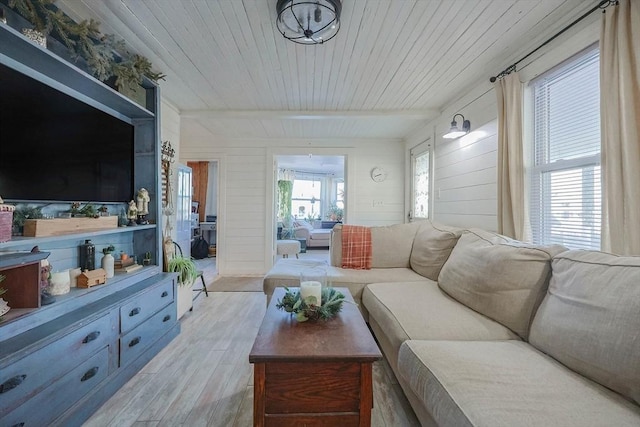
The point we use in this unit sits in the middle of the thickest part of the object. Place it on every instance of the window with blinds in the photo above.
(565, 198)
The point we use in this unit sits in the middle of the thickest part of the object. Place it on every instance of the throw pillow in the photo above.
(431, 248)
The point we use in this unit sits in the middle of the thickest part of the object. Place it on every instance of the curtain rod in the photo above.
(603, 4)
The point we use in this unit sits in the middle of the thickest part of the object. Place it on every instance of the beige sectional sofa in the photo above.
(482, 330)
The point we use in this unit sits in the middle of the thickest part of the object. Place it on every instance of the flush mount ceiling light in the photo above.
(307, 21)
(454, 132)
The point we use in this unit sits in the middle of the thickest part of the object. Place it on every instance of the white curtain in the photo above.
(620, 106)
(512, 214)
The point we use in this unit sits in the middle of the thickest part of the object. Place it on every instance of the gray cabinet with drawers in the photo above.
(60, 371)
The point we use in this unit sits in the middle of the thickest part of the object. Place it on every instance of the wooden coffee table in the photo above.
(313, 374)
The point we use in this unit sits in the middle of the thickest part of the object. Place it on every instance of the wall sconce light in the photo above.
(454, 132)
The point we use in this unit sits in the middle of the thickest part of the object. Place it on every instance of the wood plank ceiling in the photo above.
(393, 66)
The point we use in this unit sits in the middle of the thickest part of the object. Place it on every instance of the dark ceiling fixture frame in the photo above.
(603, 4)
(308, 22)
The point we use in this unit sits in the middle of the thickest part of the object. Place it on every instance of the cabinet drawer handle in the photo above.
(166, 318)
(134, 341)
(134, 312)
(12, 383)
(164, 294)
(92, 336)
(90, 373)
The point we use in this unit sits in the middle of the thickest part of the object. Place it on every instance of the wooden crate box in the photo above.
(61, 226)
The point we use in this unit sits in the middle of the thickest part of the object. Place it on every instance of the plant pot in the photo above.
(184, 298)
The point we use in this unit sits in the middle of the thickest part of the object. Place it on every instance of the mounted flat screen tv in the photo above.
(54, 147)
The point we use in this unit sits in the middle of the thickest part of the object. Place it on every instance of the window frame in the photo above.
(541, 231)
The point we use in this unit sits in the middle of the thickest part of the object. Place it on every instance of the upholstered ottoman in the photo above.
(288, 247)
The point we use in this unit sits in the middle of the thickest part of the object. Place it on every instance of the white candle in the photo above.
(73, 275)
(311, 289)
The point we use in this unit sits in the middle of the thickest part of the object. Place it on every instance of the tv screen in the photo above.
(54, 147)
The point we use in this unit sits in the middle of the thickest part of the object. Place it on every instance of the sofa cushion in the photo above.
(391, 245)
(503, 279)
(421, 310)
(431, 248)
(320, 234)
(286, 272)
(506, 383)
(590, 318)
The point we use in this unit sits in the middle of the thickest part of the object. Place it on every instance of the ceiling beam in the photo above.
(310, 115)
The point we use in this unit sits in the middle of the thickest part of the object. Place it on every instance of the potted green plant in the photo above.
(21, 214)
(187, 273)
(335, 213)
(147, 259)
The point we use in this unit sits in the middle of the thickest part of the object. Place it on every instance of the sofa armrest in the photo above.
(301, 233)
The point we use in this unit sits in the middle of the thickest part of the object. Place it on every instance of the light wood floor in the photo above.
(203, 378)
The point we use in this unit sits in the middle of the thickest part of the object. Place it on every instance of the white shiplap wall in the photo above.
(465, 171)
(465, 179)
(245, 228)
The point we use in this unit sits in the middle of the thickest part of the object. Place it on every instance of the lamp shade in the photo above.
(454, 131)
(308, 22)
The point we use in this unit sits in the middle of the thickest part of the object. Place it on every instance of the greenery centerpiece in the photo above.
(306, 309)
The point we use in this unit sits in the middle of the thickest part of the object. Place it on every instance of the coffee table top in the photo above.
(282, 338)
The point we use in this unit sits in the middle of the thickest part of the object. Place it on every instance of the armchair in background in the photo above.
(315, 237)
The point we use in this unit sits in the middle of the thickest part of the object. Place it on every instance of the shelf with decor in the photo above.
(22, 242)
(107, 332)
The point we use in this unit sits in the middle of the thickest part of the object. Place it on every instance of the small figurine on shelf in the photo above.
(143, 206)
(132, 214)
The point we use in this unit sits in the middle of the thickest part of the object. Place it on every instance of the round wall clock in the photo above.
(378, 174)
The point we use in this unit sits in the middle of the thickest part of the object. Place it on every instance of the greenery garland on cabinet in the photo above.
(105, 55)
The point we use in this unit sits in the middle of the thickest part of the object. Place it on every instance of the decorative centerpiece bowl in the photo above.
(307, 308)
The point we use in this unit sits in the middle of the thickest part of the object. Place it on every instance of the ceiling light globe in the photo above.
(307, 21)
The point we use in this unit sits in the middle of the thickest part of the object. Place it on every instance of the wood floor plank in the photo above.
(171, 387)
(244, 417)
(232, 395)
(203, 377)
(179, 408)
(117, 402)
(388, 399)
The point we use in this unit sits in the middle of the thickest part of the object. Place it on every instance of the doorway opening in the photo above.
(204, 213)
(310, 198)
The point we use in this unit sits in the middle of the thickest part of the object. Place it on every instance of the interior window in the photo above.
(306, 199)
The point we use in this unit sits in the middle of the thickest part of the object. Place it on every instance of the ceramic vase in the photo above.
(107, 265)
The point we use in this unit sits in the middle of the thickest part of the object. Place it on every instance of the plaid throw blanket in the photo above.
(356, 247)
